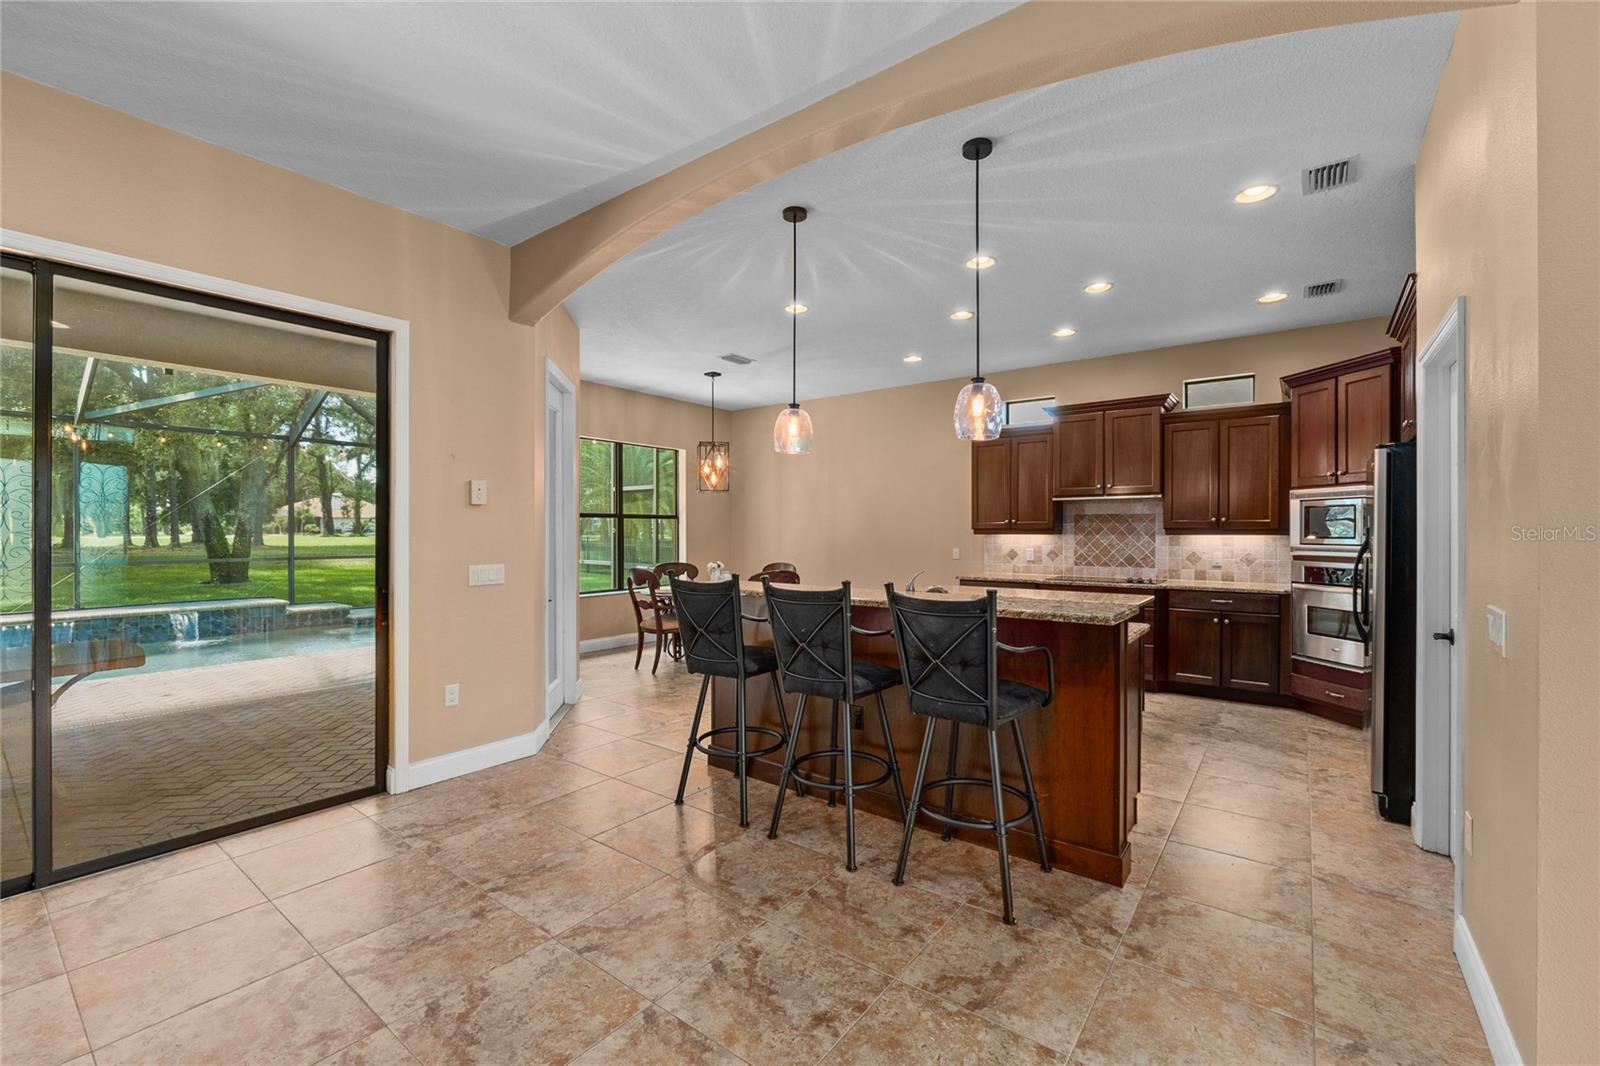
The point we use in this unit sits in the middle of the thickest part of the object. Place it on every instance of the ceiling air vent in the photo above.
(1324, 288)
(1328, 176)
(737, 360)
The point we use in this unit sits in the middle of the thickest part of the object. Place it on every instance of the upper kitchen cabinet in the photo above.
(1338, 414)
(1225, 469)
(1403, 328)
(1109, 448)
(1011, 478)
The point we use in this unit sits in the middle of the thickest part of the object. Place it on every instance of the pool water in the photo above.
(278, 643)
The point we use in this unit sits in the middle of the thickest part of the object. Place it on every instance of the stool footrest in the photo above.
(701, 746)
(939, 816)
(825, 786)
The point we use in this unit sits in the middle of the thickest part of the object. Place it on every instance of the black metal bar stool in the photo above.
(811, 630)
(710, 620)
(948, 654)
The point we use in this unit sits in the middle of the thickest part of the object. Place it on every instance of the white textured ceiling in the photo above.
(1127, 175)
(500, 118)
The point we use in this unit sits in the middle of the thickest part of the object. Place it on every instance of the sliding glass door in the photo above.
(213, 475)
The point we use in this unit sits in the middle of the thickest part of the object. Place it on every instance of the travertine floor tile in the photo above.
(655, 1038)
(1274, 843)
(547, 1005)
(560, 889)
(28, 952)
(1368, 1007)
(61, 898)
(1168, 782)
(1145, 1016)
(598, 807)
(776, 998)
(877, 923)
(302, 861)
(661, 776)
(278, 832)
(381, 1048)
(1290, 806)
(495, 849)
(41, 1024)
(908, 1025)
(351, 905)
(671, 837)
(621, 755)
(758, 874)
(301, 1014)
(1256, 890)
(137, 915)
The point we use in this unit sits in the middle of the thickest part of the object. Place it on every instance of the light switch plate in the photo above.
(955, 553)
(478, 492)
(486, 574)
(1497, 629)
(452, 695)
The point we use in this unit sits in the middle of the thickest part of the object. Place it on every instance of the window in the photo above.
(1029, 412)
(628, 511)
(1219, 392)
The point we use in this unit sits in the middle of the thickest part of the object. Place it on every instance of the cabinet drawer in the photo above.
(1328, 693)
(1249, 602)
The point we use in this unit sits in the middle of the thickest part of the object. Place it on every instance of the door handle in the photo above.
(1448, 636)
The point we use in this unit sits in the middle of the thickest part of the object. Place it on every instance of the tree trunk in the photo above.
(152, 518)
(228, 563)
(325, 493)
(174, 509)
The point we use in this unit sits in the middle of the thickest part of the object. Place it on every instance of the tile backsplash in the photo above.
(1124, 538)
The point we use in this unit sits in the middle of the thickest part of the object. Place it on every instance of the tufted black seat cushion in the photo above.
(713, 634)
(811, 629)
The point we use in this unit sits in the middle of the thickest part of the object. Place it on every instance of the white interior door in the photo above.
(555, 594)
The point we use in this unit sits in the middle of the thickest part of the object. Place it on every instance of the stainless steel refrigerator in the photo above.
(1385, 592)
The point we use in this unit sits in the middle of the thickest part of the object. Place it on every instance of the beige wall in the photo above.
(1505, 199)
(78, 172)
(638, 418)
(886, 490)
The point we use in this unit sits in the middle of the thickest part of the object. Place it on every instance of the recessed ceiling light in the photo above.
(1064, 331)
(1095, 288)
(59, 325)
(960, 316)
(1272, 297)
(912, 358)
(980, 262)
(796, 309)
(1254, 194)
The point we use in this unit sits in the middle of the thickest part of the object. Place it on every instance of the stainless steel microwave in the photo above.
(1329, 520)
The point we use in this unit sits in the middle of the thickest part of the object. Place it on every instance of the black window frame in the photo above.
(617, 515)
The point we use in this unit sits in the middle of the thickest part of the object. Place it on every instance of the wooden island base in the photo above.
(1084, 747)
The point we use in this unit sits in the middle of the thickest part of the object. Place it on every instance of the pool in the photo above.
(278, 643)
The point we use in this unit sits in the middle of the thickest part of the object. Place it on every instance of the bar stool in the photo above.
(710, 621)
(948, 655)
(811, 631)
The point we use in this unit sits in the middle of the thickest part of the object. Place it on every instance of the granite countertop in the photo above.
(1136, 631)
(1271, 588)
(1044, 605)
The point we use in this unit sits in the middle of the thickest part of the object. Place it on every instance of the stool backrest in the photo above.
(811, 634)
(711, 624)
(947, 654)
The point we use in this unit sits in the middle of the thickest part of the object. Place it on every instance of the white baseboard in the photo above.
(469, 760)
(1496, 1030)
(621, 640)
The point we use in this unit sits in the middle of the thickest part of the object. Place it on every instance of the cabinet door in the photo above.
(1133, 452)
(991, 486)
(1194, 647)
(1032, 509)
(1312, 451)
(1189, 497)
(1080, 457)
(1250, 652)
(1364, 421)
(1251, 487)
(1408, 386)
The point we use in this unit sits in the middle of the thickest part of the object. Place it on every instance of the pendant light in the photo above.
(713, 454)
(791, 433)
(979, 412)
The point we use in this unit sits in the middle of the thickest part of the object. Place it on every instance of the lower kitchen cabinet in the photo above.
(1250, 652)
(1194, 647)
(1228, 642)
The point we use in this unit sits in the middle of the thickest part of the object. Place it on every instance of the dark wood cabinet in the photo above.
(1190, 497)
(1110, 448)
(1227, 641)
(1011, 483)
(1080, 454)
(1403, 328)
(1224, 470)
(1194, 647)
(1338, 415)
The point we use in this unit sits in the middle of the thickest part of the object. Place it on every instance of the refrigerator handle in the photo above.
(1358, 590)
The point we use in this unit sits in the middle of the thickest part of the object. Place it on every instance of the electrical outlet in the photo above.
(1466, 831)
(452, 695)
(1497, 629)
(955, 553)
(1033, 554)
(477, 492)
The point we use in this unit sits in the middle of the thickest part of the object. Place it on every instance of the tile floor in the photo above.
(561, 909)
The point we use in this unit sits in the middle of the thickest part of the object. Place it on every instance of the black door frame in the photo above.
(44, 272)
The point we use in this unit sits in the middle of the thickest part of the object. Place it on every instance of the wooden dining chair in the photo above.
(779, 573)
(650, 614)
(667, 571)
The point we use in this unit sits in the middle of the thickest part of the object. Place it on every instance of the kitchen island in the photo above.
(1084, 747)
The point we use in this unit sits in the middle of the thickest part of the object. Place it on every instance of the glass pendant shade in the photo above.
(713, 465)
(791, 433)
(979, 412)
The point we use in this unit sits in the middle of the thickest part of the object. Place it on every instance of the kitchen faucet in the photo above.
(911, 586)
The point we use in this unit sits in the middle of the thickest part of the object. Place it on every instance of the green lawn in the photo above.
(112, 577)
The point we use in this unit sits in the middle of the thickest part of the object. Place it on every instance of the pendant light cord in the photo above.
(794, 313)
(713, 410)
(977, 276)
